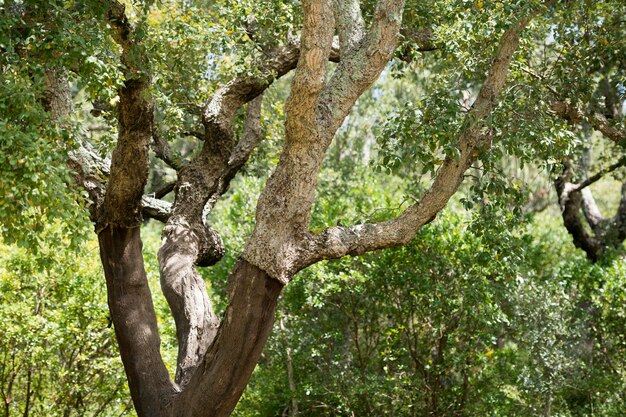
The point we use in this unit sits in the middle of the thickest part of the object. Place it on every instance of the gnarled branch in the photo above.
(315, 110)
(118, 228)
(339, 241)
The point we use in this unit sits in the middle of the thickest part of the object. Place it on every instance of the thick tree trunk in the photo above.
(221, 378)
(132, 312)
(215, 366)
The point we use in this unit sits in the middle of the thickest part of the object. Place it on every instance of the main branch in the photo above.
(473, 139)
(118, 227)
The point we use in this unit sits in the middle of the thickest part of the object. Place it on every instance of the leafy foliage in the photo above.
(58, 354)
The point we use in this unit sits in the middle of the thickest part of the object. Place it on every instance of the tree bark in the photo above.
(219, 381)
(132, 311)
(216, 360)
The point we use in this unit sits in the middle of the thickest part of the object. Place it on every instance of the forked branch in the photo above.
(473, 139)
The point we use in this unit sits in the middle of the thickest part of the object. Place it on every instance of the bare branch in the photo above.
(590, 209)
(576, 115)
(164, 152)
(571, 203)
(424, 38)
(164, 190)
(251, 135)
(195, 134)
(185, 246)
(598, 176)
(155, 209)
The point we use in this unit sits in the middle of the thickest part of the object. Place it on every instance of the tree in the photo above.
(216, 357)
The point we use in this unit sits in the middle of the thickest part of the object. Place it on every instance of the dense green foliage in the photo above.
(490, 311)
(505, 321)
(58, 355)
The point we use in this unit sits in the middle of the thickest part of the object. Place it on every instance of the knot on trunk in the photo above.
(211, 247)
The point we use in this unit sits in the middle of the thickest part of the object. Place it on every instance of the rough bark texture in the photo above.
(216, 359)
(188, 241)
(132, 312)
(130, 301)
(473, 139)
(229, 362)
(315, 110)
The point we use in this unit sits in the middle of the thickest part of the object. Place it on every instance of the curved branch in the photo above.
(164, 152)
(571, 202)
(251, 136)
(599, 175)
(473, 139)
(591, 209)
(188, 242)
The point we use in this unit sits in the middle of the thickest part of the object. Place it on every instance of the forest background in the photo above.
(511, 302)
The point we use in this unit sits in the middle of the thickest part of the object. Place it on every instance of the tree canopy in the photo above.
(409, 175)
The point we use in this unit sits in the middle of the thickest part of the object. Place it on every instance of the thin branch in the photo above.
(598, 176)
(164, 152)
(195, 134)
(164, 190)
(251, 136)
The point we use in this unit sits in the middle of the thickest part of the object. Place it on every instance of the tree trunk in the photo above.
(221, 378)
(132, 312)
